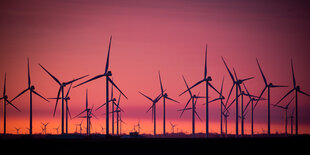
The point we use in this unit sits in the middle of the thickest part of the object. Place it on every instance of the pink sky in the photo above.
(70, 39)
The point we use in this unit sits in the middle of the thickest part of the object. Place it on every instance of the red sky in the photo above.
(70, 39)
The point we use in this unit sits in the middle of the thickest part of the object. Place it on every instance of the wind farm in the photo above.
(191, 73)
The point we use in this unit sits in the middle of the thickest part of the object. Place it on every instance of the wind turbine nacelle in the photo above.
(109, 73)
(209, 78)
(32, 87)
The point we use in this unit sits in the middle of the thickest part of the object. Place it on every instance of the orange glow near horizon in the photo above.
(70, 39)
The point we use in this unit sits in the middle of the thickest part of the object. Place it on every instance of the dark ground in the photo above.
(78, 144)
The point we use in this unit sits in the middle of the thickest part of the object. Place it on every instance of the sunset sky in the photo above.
(70, 39)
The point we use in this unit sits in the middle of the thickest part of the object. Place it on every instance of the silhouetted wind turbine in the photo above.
(88, 116)
(252, 98)
(17, 130)
(221, 97)
(5, 101)
(80, 126)
(66, 98)
(44, 127)
(106, 73)
(172, 127)
(118, 111)
(153, 107)
(297, 90)
(236, 83)
(206, 79)
(56, 130)
(285, 109)
(31, 90)
(61, 89)
(267, 86)
(292, 120)
(164, 97)
(192, 98)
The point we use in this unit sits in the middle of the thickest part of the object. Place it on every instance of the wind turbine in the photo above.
(192, 98)
(106, 73)
(236, 84)
(44, 127)
(88, 116)
(267, 86)
(61, 89)
(118, 111)
(221, 98)
(66, 98)
(285, 108)
(172, 127)
(17, 130)
(6, 101)
(153, 107)
(31, 89)
(80, 125)
(56, 129)
(292, 120)
(252, 98)
(164, 97)
(206, 79)
(297, 90)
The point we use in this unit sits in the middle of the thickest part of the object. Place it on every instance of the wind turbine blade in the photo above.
(80, 113)
(20, 94)
(29, 81)
(247, 105)
(230, 93)
(198, 115)
(108, 57)
(146, 96)
(94, 78)
(214, 100)
(68, 91)
(186, 87)
(221, 91)
(279, 106)
(260, 96)
(248, 93)
(260, 69)
(294, 81)
(214, 88)
(235, 74)
(53, 98)
(154, 103)
(232, 77)
(161, 85)
(13, 105)
(40, 95)
(57, 100)
(118, 101)
(247, 79)
(285, 96)
(4, 85)
(303, 93)
(274, 86)
(51, 75)
(185, 107)
(205, 71)
(76, 79)
(117, 88)
(172, 99)
(290, 102)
